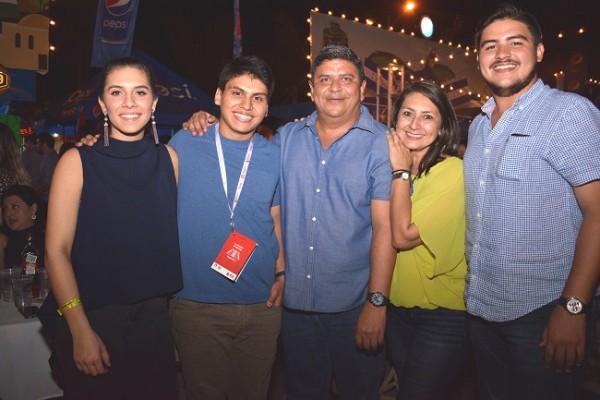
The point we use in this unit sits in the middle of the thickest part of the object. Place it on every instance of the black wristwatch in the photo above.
(377, 299)
(573, 305)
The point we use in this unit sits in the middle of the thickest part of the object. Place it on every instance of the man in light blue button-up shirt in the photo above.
(335, 185)
(335, 191)
(532, 170)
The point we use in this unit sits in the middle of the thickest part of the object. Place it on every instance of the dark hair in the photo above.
(334, 52)
(509, 11)
(25, 193)
(447, 141)
(30, 197)
(45, 137)
(250, 65)
(128, 62)
(31, 138)
(124, 62)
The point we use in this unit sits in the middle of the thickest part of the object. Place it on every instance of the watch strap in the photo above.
(403, 174)
(564, 302)
(373, 297)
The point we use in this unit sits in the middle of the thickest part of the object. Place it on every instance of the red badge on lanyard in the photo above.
(237, 250)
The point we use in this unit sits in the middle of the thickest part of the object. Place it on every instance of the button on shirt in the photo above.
(326, 211)
(522, 215)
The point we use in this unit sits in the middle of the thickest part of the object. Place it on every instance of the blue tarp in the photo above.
(178, 99)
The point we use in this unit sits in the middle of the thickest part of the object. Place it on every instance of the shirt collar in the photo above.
(523, 101)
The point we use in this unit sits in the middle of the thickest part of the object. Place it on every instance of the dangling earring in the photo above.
(154, 133)
(105, 129)
(33, 216)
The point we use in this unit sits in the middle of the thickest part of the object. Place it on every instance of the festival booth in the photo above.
(177, 100)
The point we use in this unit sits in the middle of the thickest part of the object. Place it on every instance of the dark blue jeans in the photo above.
(319, 346)
(428, 349)
(510, 362)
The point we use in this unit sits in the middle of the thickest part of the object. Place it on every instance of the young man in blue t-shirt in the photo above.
(226, 324)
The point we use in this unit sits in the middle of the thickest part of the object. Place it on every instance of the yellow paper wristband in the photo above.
(68, 305)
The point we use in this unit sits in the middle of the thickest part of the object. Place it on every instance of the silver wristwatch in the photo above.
(401, 174)
(573, 305)
(377, 299)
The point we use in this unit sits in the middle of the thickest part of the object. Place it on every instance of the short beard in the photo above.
(515, 87)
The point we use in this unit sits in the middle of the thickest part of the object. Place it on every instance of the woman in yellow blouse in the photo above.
(426, 329)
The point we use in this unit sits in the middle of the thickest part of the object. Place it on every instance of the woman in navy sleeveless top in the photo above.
(112, 250)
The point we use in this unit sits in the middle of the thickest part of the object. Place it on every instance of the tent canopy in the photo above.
(178, 99)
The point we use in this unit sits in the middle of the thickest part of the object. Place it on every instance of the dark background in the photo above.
(194, 38)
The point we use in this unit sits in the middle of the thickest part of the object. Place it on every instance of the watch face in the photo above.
(404, 175)
(574, 306)
(377, 298)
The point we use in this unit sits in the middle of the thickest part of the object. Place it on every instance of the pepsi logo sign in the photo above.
(118, 8)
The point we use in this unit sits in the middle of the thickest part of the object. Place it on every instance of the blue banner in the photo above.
(113, 35)
(22, 86)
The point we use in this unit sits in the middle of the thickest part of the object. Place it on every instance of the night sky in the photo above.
(194, 37)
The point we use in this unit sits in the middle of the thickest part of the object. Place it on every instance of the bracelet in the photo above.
(68, 305)
(278, 274)
(401, 174)
(404, 175)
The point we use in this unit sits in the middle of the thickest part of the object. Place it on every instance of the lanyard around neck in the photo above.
(242, 177)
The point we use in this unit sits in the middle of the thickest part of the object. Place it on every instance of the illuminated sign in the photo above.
(4, 80)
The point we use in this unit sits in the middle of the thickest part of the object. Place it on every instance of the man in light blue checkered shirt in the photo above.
(532, 176)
